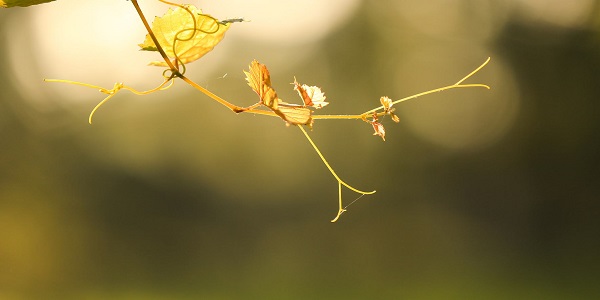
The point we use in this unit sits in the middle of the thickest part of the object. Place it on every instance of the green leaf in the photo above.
(13, 3)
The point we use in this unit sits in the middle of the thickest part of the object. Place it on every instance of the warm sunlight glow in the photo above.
(96, 41)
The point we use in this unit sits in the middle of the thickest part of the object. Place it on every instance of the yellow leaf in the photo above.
(13, 3)
(182, 39)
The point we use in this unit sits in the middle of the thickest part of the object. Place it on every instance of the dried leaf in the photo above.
(179, 38)
(259, 80)
(311, 95)
(379, 130)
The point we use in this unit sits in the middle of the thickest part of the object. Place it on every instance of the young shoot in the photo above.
(185, 34)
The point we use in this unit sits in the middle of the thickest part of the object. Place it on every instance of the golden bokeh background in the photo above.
(480, 194)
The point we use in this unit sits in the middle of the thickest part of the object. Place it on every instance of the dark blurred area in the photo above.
(480, 194)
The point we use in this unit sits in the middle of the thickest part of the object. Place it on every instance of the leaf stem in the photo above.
(210, 94)
(337, 117)
(153, 37)
(346, 117)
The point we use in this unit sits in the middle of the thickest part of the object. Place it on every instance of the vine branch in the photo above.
(153, 37)
(259, 80)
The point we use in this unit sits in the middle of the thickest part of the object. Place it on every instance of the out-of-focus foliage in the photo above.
(13, 3)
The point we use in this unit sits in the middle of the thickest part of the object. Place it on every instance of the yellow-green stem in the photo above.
(153, 37)
(341, 209)
(210, 94)
(329, 167)
(427, 93)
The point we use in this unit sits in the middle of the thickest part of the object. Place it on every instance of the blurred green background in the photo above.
(480, 194)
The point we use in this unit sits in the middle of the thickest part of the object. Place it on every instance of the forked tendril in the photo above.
(369, 113)
(453, 86)
(341, 209)
(116, 88)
